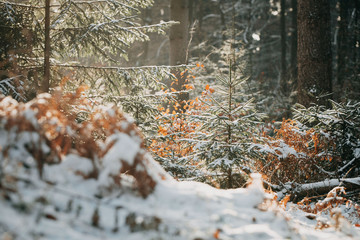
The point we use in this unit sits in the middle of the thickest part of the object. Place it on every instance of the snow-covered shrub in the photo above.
(296, 154)
(45, 132)
(342, 123)
(173, 145)
(96, 180)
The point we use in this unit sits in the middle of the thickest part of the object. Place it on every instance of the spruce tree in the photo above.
(229, 126)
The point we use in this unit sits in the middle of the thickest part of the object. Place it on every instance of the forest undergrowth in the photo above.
(67, 132)
(219, 137)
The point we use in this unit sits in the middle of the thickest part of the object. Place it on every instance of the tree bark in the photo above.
(248, 45)
(146, 20)
(179, 11)
(200, 14)
(293, 56)
(283, 80)
(346, 40)
(46, 81)
(314, 52)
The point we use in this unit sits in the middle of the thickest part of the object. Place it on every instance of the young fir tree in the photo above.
(209, 141)
(229, 125)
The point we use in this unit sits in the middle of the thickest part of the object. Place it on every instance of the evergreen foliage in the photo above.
(230, 119)
(227, 126)
(209, 141)
(254, 27)
(342, 123)
(89, 41)
(15, 42)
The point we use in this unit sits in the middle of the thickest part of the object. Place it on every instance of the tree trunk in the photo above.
(146, 20)
(222, 20)
(249, 38)
(346, 40)
(265, 52)
(179, 11)
(283, 80)
(46, 81)
(356, 53)
(293, 60)
(314, 52)
(200, 14)
(229, 178)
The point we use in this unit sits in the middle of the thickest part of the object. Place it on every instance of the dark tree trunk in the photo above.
(46, 81)
(283, 80)
(229, 178)
(342, 54)
(265, 51)
(200, 14)
(346, 54)
(222, 20)
(314, 52)
(356, 53)
(192, 7)
(250, 40)
(293, 60)
(147, 20)
(179, 11)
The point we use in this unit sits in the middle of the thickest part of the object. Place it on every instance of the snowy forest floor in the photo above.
(111, 188)
(175, 210)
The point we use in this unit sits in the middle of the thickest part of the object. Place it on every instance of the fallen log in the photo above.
(299, 191)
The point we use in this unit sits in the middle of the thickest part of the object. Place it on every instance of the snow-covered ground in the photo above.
(68, 203)
(175, 210)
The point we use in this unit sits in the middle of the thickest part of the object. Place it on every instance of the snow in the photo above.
(30, 115)
(308, 227)
(175, 210)
(76, 163)
(325, 183)
(286, 150)
(69, 204)
(282, 151)
(357, 153)
(112, 164)
(353, 180)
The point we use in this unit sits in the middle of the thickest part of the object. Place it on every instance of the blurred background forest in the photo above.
(265, 32)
